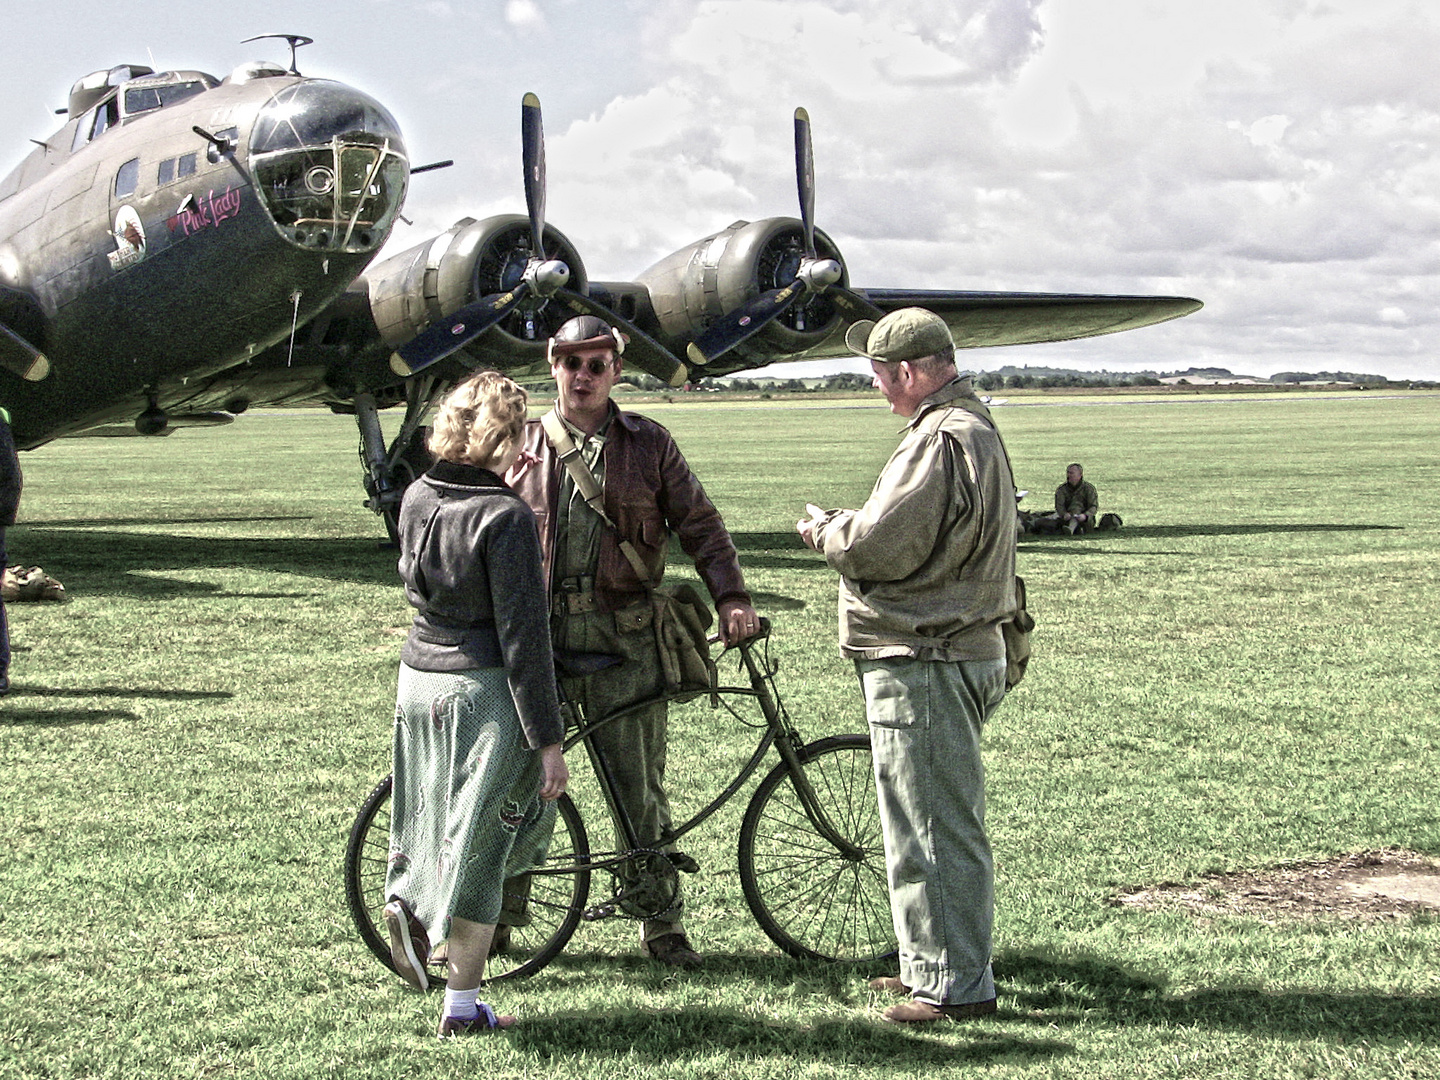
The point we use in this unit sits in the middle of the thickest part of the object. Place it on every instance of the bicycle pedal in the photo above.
(681, 861)
(600, 911)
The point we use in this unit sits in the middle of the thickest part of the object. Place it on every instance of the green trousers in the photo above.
(633, 746)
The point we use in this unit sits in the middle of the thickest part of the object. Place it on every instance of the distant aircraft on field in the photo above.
(185, 248)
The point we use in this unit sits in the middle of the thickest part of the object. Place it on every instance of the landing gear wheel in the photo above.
(409, 466)
(808, 897)
(555, 902)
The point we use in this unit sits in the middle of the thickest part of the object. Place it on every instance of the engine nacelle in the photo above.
(471, 259)
(696, 284)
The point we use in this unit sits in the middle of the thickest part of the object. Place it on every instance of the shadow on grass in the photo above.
(765, 551)
(1086, 545)
(96, 561)
(1104, 992)
(671, 1036)
(1034, 990)
(48, 718)
(65, 523)
(770, 601)
(153, 693)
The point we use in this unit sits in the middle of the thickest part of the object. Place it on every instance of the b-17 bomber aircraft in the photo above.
(185, 248)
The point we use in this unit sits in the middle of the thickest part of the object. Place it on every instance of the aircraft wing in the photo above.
(976, 319)
(981, 319)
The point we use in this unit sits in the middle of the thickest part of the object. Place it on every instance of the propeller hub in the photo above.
(821, 273)
(549, 276)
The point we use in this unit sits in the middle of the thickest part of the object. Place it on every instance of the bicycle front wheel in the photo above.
(555, 902)
(812, 900)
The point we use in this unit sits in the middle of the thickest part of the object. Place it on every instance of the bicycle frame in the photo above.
(816, 888)
(779, 730)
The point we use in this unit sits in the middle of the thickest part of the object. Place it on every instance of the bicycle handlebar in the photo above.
(714, 639)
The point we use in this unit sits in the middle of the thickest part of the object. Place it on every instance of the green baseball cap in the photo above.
(908, 334)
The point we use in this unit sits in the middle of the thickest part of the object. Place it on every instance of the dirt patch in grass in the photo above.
(1365, 885)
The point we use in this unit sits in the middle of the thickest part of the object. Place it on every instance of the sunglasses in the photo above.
(596, 366)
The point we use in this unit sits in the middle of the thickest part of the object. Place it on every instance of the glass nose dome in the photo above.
(329, 166)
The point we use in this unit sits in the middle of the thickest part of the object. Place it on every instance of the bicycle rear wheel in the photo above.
(813, 901)
(556, 900)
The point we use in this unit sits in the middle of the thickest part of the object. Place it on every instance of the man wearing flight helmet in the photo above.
(599, 601)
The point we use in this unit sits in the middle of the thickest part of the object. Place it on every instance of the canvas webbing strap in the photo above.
(590, 491)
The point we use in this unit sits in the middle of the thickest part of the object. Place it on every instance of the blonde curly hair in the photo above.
(480, 421)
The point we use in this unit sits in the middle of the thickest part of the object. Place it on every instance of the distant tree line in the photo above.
(1007, 378)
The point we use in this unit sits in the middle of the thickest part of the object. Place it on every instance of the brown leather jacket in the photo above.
(649, 493)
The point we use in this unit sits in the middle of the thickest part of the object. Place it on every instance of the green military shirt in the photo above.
(578, 527)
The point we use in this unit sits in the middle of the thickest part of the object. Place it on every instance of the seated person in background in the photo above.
(1077, 506)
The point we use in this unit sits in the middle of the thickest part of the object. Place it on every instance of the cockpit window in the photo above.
(145, 98)
(96, 122)
(127, 178)
(107, 115)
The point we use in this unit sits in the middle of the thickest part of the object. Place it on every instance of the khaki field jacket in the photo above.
(928, 563)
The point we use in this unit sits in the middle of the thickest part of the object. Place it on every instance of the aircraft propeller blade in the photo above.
(452, 334)
(543, 279)
(746, 320)
(815, 275)
(855, 306)
(532, 139)
(641, 350)
(805, 178)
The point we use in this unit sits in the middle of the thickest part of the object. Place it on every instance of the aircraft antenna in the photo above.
(295, 40)
(294, 325)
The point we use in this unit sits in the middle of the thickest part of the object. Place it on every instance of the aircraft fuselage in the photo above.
(138, 255)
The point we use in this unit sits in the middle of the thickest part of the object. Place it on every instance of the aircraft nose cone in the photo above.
(330, 166)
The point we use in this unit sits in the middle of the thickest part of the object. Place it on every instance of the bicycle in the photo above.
(810, 853)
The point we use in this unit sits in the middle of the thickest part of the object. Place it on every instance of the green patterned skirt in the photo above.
(466, 811)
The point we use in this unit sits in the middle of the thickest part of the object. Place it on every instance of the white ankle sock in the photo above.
(461, 1003)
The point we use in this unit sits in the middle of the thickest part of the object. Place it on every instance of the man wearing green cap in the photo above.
(927, 576)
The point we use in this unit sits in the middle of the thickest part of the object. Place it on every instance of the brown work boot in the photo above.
(673, 950)
(922, 1012)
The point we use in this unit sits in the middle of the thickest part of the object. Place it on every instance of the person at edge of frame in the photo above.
(599, 604)
(478, 736)
(10, 485)
(927, 576)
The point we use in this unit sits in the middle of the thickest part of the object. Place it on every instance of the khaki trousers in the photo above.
(925, 722)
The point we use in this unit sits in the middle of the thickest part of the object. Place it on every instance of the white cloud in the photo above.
(524, 14)
(1279, 159)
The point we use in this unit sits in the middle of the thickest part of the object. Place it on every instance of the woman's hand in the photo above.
(554, 773)
(523, 463)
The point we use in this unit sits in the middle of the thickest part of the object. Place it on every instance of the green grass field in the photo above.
(1244, 676)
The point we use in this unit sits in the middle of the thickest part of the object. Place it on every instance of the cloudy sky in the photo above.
(1278, 159)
